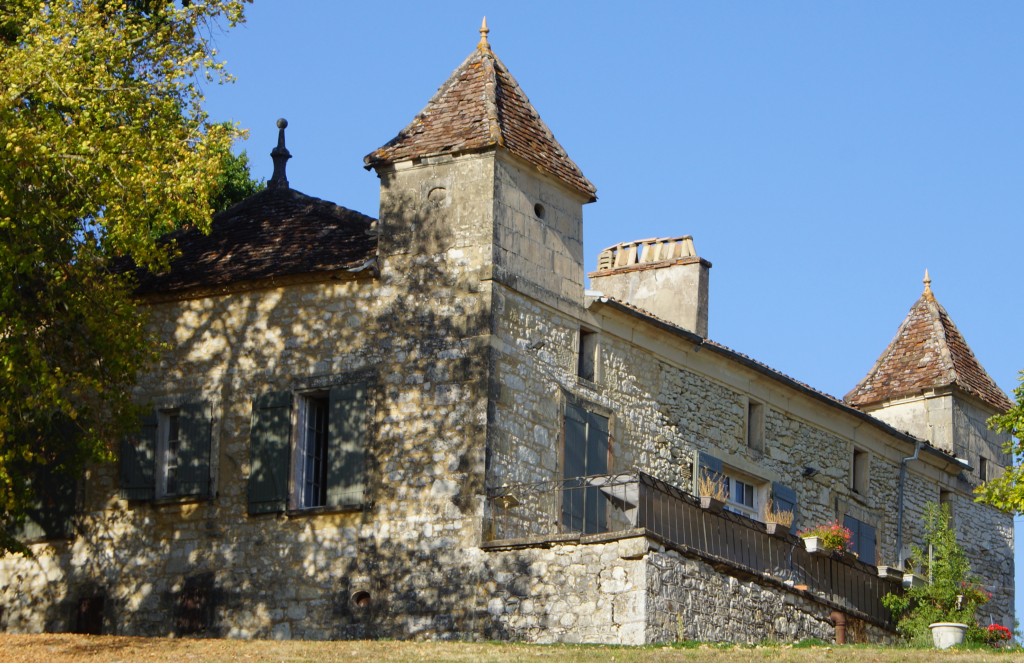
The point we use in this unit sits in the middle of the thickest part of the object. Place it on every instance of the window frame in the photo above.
(168, 430)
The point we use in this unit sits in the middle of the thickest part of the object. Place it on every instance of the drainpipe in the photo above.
(839, 620)
(899, 503)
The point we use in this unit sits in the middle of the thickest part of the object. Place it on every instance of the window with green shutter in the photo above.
(586, 454)
(169, 456)
(321, 463)
(863, 540)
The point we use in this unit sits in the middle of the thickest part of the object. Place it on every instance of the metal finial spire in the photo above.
(483, 45)
(927, 284)
(280, 155)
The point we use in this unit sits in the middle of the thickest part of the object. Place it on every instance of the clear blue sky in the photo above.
(821, 154)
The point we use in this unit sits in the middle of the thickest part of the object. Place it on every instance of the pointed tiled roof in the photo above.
(928, 352)
(482, 106)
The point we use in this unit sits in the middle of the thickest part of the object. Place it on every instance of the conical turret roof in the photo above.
(481, 106)
(928, 352)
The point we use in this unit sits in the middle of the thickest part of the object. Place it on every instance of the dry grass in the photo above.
(77, 648)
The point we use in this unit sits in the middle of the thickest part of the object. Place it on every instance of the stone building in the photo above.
(424, 426)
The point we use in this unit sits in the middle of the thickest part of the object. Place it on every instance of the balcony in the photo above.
(734, 544)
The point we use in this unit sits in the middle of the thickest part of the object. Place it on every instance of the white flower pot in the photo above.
(946, 635)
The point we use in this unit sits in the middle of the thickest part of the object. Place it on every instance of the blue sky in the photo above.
(821, 154)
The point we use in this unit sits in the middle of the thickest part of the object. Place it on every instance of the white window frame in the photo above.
(311, 440)
(758, 489)
(168, 446)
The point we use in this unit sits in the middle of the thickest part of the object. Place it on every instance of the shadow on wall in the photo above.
(398, 567)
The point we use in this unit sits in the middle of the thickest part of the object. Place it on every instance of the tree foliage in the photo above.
(1007, 491)
(952, 593)
(106, 147)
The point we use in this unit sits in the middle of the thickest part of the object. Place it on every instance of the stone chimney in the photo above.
(663, 276)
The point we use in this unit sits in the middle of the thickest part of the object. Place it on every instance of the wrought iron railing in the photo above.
(614, 503)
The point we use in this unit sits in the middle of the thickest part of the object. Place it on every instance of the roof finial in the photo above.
(280, 155)
(483, 45)
(927, 285)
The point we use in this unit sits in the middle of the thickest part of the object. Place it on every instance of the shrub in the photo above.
(952, 594)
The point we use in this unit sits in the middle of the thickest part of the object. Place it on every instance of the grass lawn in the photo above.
(78, 648)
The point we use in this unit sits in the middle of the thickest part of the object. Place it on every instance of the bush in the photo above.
(953, 594)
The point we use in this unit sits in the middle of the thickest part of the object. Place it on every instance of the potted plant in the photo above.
(941, 611)
(827, 539)
(712, 492)
(997, 635)
(776, 521)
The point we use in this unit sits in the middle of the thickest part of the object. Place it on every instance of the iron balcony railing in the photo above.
(615, 503)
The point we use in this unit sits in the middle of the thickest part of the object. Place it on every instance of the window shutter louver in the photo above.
(346, 447)
(194, 450)
(137, 462)
(784, 498)
(270, 452)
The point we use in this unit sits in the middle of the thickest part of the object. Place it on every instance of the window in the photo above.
(744, 494)
(741, 497)
(946, 498)
(310, 461)
(859, 481)
(983, 469)
(755, 425)
(169, 456)
(586, 454)
(586, 367)
(315, 461)
(168, 449)
(863, 539)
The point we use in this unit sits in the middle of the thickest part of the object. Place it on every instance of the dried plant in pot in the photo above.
(711, 490)
(776, 521)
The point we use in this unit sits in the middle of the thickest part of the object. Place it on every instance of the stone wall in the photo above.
(632, 591)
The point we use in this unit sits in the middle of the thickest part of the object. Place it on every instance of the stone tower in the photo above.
(478, 182)
(928, 382)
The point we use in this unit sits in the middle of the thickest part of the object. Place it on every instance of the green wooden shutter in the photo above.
(195, 434)
(138, 454)
(50, 516)
(595, 519)
(346, 445)
(270, 452)
(862, 540)
(574, 466)
(707, 464)
(784, 498)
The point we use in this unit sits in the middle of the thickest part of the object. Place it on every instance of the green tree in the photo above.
(235, 182)
(952, 593)
(1007, 492)
(105, 148)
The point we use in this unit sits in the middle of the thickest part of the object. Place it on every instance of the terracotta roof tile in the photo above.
(274, 233)
(928, 352)
(482, 106)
